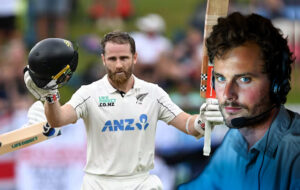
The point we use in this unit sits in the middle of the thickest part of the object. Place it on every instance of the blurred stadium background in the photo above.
(169, 40)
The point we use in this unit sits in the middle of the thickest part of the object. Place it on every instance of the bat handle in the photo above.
(207, 139)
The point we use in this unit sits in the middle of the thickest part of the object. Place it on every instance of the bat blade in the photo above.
(214, 10)
(26, 136)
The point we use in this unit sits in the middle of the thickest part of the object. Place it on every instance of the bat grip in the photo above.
(207, 139)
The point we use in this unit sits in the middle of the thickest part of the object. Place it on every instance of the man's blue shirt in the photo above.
(273, 161)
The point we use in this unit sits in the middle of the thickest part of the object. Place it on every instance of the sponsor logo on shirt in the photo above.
(140, 98)
(126, 124)
(106, 101)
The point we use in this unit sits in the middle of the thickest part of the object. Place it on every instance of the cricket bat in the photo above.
(26, 136)
(214, 10)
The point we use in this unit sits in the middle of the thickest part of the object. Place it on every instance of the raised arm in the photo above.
(58, 115)
(181, 120)
(195, 124)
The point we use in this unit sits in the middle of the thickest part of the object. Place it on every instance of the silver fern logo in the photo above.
(140, 98)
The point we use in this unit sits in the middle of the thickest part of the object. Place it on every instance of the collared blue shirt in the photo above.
(271, 163)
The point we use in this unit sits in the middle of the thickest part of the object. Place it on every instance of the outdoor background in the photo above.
(169, 44)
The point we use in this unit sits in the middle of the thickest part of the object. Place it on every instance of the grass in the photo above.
(175, 12)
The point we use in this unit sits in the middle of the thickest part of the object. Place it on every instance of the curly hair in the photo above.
(237, 29)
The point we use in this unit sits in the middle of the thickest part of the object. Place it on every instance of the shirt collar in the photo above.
(137, 84)
(275, 133)
(238, 142)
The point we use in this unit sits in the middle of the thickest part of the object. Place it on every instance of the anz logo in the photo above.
(126, 124)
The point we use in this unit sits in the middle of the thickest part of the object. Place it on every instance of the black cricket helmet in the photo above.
(51, 62)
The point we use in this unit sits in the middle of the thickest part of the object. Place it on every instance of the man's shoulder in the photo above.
(291, 138)
(296, 116)
(145, 84)
(294, 125)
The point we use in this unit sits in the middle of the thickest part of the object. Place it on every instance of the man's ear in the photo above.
(103, 59)
(135, 58)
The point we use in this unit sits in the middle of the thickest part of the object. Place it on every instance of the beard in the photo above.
(120, 76)
(228, 117)
(257, 109)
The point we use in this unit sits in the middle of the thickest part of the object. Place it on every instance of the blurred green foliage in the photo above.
(294, 95)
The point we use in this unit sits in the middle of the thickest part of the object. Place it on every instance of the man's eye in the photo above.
(124, 58)
(245, 79)
(220, 78)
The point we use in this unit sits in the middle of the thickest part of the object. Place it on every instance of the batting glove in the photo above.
(210, 112)
(50, 95)
(36, 113)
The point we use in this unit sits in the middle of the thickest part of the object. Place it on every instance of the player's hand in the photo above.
(50, 95)
(210, 112)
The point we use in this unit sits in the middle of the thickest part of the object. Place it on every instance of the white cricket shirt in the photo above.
(121, 130)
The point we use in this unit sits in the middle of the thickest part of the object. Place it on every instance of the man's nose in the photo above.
(119, 63)
(230, 91)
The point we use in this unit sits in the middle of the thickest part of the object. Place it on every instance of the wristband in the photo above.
(187, 124)
(51, 98)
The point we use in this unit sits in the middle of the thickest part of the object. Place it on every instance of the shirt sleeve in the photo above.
(79, 102)
(168, 110)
